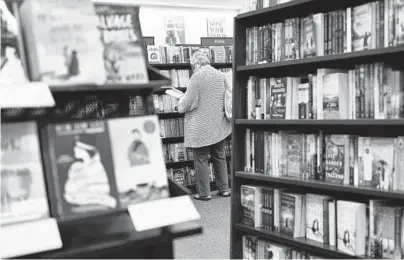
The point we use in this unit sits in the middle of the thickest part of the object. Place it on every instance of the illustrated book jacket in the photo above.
(124, 56)
(63, 43)
(23, 192)
(82, 168)
(138, 162)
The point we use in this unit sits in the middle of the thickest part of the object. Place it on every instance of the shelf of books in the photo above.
(318, 143)
(83, 174)
(174, 63)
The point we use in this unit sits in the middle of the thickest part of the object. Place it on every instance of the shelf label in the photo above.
(217, 41)
(32, 94)
(164, 212)
(30, 237)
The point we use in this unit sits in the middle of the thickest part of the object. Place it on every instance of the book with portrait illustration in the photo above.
(63, 43)
(377, 167)
(316, 217)
(138, 162)
(124, 56)
(351, 227)
(82, 168)
(23, 192)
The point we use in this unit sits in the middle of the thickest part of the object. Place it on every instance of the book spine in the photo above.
(371, 73)
(326, 223)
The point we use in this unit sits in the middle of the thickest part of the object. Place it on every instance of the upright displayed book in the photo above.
(82, 168)
(63, 43)
(124, 57)
(138, 162)
(23, 192)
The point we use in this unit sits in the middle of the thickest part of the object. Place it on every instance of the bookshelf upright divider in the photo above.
(367, 127)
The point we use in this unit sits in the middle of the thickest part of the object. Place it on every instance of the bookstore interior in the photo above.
(250, 129)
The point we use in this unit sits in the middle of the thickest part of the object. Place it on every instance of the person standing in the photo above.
(205, 125)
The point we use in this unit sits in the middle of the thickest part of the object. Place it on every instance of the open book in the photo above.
(174, 93)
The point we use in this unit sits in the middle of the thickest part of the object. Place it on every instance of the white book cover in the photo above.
(64, 45)
(138, 162)
(23, 192)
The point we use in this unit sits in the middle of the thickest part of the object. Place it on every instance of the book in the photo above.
(362, 27)
(81, 168)
(174, 93)
(292, 214)
(138, 162)
(351, 227)
(63, 42)
(23, 191)
(124, 57)
(250, 204)
(317, 228)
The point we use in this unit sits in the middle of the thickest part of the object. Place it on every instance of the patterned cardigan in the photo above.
(203, 103)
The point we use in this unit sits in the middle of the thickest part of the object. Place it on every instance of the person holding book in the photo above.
(205, 125)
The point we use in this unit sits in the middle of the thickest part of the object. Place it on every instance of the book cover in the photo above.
(82, 168)
(278, 98)
(362, 27)
(123, 54)
(63, 43)
(153, 54)
(309, 37)
(175, 30)
(315, 222)
(250, 200)
(335, 158)
(179, 176)
(23, 192)
(331, 109)
(216, 27)
(138, 162)
(287, 214)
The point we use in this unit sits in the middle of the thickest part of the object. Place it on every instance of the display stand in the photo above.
(111, 234)
(363, 127)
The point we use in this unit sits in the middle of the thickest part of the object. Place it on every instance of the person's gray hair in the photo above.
(201, 58)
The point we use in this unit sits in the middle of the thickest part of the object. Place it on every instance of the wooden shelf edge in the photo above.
(323, 186)
(339, 122)
(303, 243)
(323, 60)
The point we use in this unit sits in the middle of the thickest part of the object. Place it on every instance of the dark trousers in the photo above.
(202, 169)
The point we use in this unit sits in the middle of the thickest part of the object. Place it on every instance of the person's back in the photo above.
(207, 124)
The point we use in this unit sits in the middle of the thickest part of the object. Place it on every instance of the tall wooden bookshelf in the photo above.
(169, 115)
(363, 127)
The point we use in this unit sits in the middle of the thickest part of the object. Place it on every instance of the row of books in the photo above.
(180, 78)
(164, 103)
(95, 46)
(373, 91)
(260, 4)
(183, 175)
(89, 164)
(172, 127)
(372, 25)
(183, 54)
(374, 162)
(374, 229)
(255, 248)
(177, 152)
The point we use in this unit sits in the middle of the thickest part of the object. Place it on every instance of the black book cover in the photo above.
(82, 168)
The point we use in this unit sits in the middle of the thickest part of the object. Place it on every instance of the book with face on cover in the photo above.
(23, 192)
(138, 159)
(124, 56)
(63, 43)
(82, 168)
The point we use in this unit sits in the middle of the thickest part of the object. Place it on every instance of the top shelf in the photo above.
(294, 8)
(167, 66)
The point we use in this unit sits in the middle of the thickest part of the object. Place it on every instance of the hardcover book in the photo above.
(362, 27)
(23, 192)
(82, 168)
(63, 43)
(335, 162)
(138, 162)
(124, 59)
(250, 204)
(278, 98)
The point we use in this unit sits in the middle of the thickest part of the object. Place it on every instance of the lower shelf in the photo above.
(310, 246)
